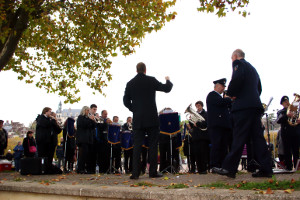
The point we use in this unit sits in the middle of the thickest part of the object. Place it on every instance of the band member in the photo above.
(139, 98)
(56, 129)
(246, 111)
(116, 149)
(200, 140)
(105, 146)
(187, 150)
(46, 127)
(289, 135)
(218, 122)
(95, 151)
(3, 138)
(69, 133)
(128, 152)
(84, 139)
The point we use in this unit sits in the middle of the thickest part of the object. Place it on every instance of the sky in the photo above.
(193, 50)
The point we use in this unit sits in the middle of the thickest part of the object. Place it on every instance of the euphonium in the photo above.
(193, 116)
(294, 109)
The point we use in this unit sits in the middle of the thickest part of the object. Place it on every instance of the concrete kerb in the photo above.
(119, 192)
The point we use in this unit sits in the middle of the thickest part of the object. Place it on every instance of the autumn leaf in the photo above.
(261, 192)
(289, 191)
(293, 180)
(269, 191)
(212, 188)
(116, 183)
(166, 178)
(190, 181)
(74, 183)
(270, 180)
(238, 185)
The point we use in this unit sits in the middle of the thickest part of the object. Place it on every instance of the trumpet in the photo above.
(96, 118)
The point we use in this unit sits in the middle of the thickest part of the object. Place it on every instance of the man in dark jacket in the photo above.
(139, 98)
(46, 130)
(3, 139)
(219, 124)
(247, 109)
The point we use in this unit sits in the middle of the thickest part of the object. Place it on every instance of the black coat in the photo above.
(139, 98)
(217, 110)
(26, 142)
(85, 129)
(245, 85)
(44, 129)
(3, 144)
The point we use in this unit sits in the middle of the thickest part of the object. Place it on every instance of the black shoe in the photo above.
(81, 172)
(157, 175)
(90, 172)
(203, 172)
(134, 177)
(223, 172)
(262, 174)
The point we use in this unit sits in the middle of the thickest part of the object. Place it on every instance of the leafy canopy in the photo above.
(57, 44)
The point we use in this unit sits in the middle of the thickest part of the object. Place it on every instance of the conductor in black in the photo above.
(139, 98)
(218, 122)
(245, 89)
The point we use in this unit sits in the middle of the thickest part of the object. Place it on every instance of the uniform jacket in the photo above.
(139, 98)
(217, 110)
(282, 119)
(245, 85)
(44, 129)
(85, 127)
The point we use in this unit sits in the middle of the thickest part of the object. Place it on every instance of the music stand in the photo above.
(169, 125)
(113, 137)
(126, 144)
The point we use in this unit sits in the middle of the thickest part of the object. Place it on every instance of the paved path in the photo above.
(121, 187)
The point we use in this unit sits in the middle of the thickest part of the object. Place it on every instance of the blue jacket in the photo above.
(18, 152)
(245, 85)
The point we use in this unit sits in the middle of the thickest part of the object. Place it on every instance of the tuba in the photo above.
(193, 116)
(294, 108)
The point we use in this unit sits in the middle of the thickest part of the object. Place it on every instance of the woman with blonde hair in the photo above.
(84, 139)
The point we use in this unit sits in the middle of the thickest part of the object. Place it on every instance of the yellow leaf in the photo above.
(166, 178)
(212, 188)
(74, 183)
(288, 191)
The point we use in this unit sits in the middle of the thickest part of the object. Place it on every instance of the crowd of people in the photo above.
(214, 141)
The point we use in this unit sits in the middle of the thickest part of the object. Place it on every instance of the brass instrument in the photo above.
(97, 119)
(129, 126)
(193, 116)
(294, 109)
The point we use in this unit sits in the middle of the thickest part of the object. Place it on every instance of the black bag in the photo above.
(34, 166)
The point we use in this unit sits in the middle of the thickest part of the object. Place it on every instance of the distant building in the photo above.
(63, 114)
(15, 128)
